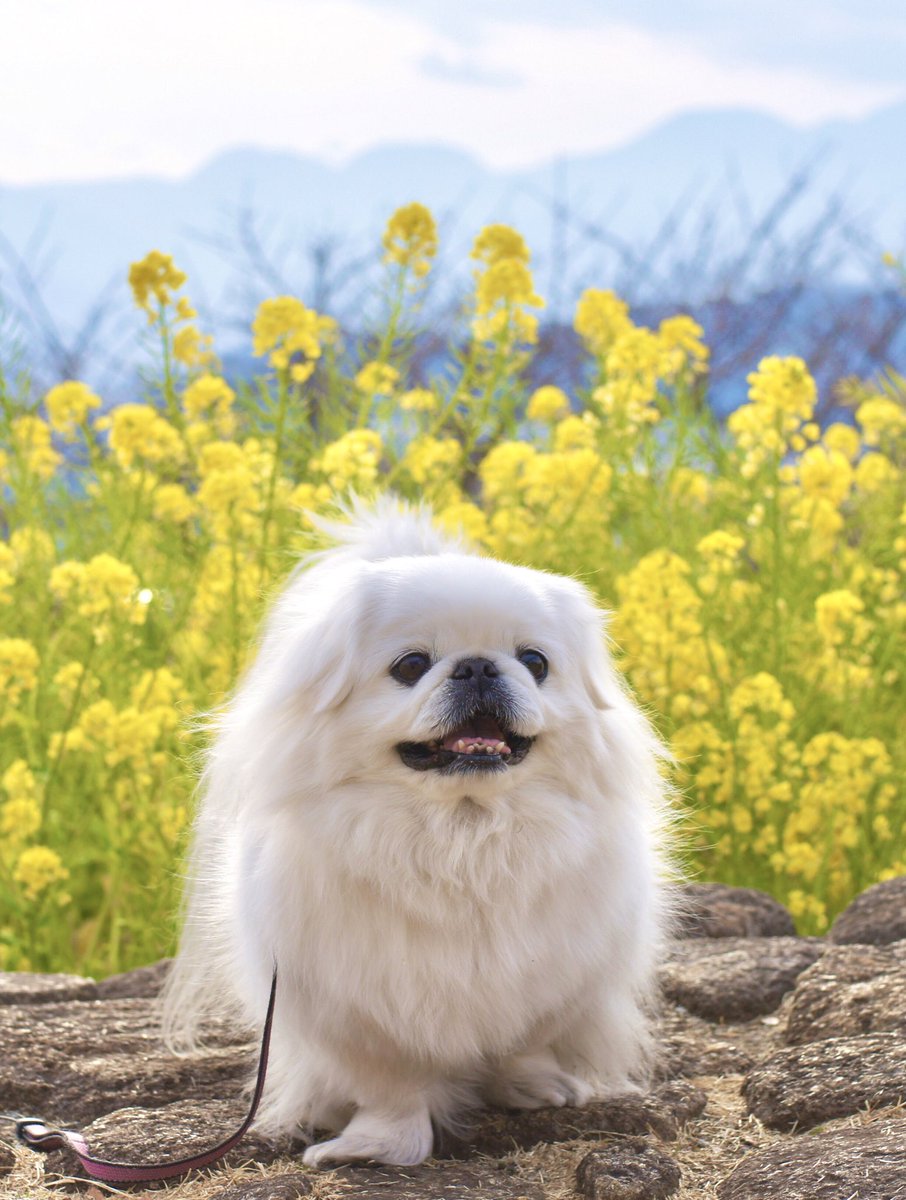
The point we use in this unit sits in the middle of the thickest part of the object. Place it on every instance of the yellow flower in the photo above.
(826, 473)
(681, 345)
(160, 688)
(628, 403)
(352, 461)
(506, 282)
(464, 518)
(430, 461)
(126, 736)
(191, 347)
(31, 546)
(782, 397)
(720, 550)
(138, 433)
(20, 819)
(20, 816)
(503, 293)
(308, 497)
(874, 472)
(229, 489)
(7, 572)
(211, 395)
(783, 385)
(637, 355)
(377, 379)
(38, 868)
(503, 469)
(880, 418)
(68, 404)
(836, 615)
(31, 438)
(172, 503)
(410, 239)
(819, 519)
(294, 335)
(547, 404)
(804, 904)
(495, 243)
(842, 438)
(18, 668)
(658, 626)
(761, 693)
(18, 781)
(689, 484)
(104, 587)
(577, 432)
(601, 317)
(154, 276)
(418, 400)
(73, 679)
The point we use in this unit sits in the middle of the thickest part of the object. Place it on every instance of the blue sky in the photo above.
(106, 89)
(845, 39)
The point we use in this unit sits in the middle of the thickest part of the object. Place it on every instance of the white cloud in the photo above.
(103, 88)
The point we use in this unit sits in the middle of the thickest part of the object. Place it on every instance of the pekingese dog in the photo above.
(434, 803)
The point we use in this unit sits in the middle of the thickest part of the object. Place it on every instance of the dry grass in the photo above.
(707, 1150)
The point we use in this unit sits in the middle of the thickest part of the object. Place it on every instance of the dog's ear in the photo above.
(586, 627)
(313, 641)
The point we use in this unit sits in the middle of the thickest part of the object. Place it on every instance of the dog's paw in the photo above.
(374, 1137)
(536, 1081)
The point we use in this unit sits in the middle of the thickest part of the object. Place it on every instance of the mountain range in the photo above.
(726, 167)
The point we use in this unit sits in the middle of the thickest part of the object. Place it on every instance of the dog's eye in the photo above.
(534, 662)
(411, 667)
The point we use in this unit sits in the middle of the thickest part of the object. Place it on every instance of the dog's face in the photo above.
(448, 672)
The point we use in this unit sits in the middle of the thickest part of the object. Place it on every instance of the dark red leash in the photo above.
(38, 1136)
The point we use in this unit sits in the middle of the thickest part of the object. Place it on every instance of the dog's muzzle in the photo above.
(477, 731)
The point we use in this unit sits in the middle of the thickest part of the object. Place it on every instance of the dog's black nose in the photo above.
(475, 668)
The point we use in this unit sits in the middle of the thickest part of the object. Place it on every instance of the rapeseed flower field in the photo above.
(754, 571)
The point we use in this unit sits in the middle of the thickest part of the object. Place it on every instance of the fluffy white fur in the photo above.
(443, 940)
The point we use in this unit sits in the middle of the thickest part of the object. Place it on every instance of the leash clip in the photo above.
(36, 1134)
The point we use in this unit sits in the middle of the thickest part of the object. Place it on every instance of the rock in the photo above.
(716, 910)
(865, 1163)
(855, 963)
(687, 1046)
(436, 1181)
(20, 987)
(877, 916)
(627, 1169)
(144, 983)
(735, 979)
(849, 990)
(661, 1111)
(142, 1136)
(808, 1084)
(73, 1062)
(276, 1187)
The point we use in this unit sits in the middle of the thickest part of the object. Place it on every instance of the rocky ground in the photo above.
(783, 1074)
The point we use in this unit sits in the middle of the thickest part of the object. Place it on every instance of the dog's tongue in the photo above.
(481, 734)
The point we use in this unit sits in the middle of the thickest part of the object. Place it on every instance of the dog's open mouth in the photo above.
(481, 742)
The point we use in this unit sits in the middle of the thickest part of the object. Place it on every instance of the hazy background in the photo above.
(743, 161)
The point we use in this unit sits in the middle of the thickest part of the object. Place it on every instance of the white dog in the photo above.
(433, 802)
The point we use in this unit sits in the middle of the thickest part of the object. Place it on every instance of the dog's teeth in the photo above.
(459, 746)
(471, 748)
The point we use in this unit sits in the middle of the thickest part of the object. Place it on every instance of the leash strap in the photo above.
(35, 1134)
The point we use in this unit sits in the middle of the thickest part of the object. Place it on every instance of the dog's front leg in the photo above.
(401, 1135)
(534, 1079)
